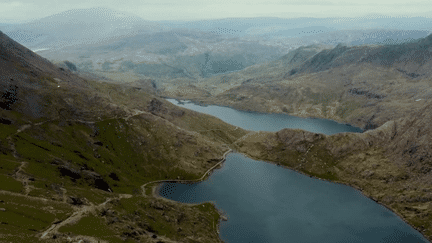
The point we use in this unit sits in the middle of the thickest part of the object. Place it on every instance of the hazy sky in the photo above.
(23, 10)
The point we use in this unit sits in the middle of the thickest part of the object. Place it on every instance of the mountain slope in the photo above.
(384, 89)
(81, 150)
(363, 85)
(391, 165)
(79, 26)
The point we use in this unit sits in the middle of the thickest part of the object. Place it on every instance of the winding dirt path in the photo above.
(83, 211)
(78, 214)
(23, 178)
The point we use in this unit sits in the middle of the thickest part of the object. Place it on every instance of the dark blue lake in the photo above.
(266, 203)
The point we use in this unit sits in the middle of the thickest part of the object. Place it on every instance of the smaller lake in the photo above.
(255, 121)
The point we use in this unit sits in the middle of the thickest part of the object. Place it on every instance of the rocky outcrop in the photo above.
(91, 178)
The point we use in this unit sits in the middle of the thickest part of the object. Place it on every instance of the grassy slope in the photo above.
(98, 129)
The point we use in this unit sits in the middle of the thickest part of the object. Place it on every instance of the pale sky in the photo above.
(24, 10)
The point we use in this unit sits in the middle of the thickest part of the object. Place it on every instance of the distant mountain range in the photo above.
(323, 73)
(79, 26)
(301, 26)
(76, 152)
(116, 44)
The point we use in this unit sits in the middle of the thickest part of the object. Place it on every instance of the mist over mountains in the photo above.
(85, 125)
(109, 42)
(78, 26)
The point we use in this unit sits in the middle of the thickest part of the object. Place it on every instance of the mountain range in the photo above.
(78, 149)
(125, 47)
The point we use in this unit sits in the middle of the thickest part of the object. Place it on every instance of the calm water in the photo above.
(266, 203)
(269, 122)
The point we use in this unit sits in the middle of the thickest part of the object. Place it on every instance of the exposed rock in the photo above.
(156, 106)
(67, 170)
(99, 143)
(8, 97)
(96, 180)
(366, 93)
(5, 121)
(157, 205)
(114, 176)
(75, 201)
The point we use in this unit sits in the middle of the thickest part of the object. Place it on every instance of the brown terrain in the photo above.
(384, 89)
(74, 153)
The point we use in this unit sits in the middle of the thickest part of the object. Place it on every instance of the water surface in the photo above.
(268, 122)
(266, 203)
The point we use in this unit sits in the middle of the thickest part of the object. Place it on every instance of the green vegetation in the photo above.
(92, 226)
(169, 219)
(23, 216)
(86, 157)
(8, 183)
(6, 130)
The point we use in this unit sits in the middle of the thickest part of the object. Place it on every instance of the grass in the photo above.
(8, 164)
(8, 183)
(92, 226)
(136, 151)
(6, 130)
(126, 154)
(172, 220)
(26, 216)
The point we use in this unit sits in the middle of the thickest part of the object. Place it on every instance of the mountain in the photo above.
(74, 154)
(345, 83)
(164, 55)
(270, 26)
(124, 47)
(384, 89)
(79, 26)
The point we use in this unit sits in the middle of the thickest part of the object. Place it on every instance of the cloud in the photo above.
(20, 10)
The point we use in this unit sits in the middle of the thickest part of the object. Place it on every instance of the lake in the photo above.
(269, 122)
(266, 203)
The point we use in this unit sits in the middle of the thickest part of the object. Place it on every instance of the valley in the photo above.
(87, 134)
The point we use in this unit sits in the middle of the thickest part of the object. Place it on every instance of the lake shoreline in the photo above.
(158, 184)
(341, 183)
(182, 102)
(354, 186)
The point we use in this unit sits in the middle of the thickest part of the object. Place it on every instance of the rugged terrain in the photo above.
(74, 154)
(384, 89)
(362, 85)
(124, 47)
(75, 151)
